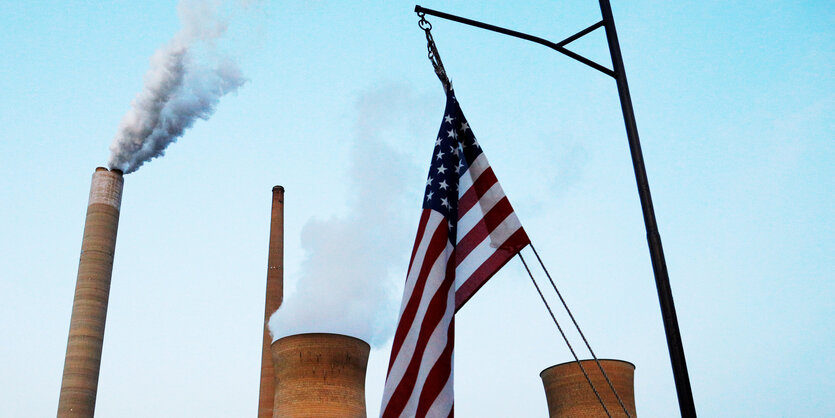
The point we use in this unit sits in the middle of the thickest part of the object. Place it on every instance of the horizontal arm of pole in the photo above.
(559, 47)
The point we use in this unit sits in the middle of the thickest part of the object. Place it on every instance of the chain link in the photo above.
(432, 52)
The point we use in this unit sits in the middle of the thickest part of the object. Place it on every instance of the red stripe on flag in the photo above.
(483, 228)
(433, 251)
(472, 195)
(496, 261)
(434, 314)
(424, 217)
(439, 375)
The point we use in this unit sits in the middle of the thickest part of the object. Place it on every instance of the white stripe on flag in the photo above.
(434, 280)
(443, 403)
(485, 249)
(435, 219)
(476, 213)
(473, 171)
(407, 349)
(435, 346)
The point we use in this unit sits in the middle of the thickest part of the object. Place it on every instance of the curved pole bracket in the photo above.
(559, 46)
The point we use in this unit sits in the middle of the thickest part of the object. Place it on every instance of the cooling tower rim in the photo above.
(313, 334)
(114, 170)
(586, 360)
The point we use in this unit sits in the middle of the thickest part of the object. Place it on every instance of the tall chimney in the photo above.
(569, 395)
(319, 375)
(92, 289)
(275, 294)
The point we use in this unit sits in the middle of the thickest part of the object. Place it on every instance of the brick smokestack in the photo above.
(92, 289)
(320, 375)
(274, 296)
(569, 395)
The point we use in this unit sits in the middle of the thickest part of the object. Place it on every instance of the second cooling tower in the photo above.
(319, 375)
(569, 394)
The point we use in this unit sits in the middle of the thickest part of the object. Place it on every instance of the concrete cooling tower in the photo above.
(569, 395)
(319, 375)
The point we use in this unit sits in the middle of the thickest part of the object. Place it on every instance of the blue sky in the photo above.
(734, 103)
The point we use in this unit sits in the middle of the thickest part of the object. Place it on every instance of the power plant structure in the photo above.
(304, 375)
(569, 394)
(274, 297)
(92, 290)
(319, 376)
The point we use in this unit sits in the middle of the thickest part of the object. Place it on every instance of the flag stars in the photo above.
(455, 148)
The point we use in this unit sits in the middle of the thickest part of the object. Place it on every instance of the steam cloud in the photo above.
(186, 79)
(354, 264)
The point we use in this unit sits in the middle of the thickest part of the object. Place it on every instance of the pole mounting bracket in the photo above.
(559, 46)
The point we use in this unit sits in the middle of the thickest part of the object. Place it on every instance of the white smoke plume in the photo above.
(186, 79)
(354, 264)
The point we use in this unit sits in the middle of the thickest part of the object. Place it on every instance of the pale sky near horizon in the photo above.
(734, 103)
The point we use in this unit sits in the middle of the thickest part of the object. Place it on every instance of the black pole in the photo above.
(659, 265)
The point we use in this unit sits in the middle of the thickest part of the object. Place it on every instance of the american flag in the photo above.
(467, 232)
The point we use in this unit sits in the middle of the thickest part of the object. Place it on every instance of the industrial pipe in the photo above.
(274, 297)
(92, 290)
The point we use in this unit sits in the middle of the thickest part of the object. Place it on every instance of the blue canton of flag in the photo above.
(455, 148)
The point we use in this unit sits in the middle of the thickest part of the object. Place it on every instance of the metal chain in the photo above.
(432, 52)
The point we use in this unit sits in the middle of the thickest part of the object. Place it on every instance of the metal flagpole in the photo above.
(659, 265)
(656, 252)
